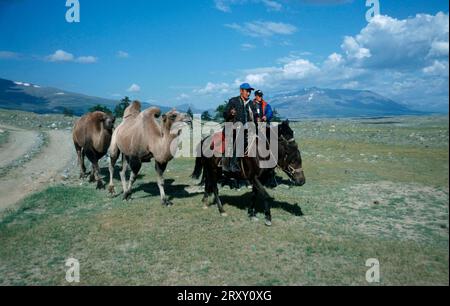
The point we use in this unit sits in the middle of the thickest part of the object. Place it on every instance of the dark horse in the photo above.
(289, 160)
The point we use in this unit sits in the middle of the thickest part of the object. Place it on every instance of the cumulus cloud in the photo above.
(134, 88)
(404, 59)
(60, 56)
(63, 56)
(213, 88)
(263, 28)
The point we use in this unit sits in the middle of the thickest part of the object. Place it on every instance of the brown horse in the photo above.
(289, 160)
(141, 138)
(92, 136)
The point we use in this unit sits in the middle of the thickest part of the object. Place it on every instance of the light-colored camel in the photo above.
(141, 138)
(92, 135)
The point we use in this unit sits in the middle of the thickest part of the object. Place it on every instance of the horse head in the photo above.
(289, 156)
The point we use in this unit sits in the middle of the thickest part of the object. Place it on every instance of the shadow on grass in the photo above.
(172, 191)
(243, 203)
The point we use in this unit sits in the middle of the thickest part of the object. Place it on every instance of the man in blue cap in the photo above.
(238, 110)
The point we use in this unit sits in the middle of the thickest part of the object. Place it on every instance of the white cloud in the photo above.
(8, 55)
(406, 60)
(134, 88)
(439, 68)
(63, 56)
(353, 49)
(272, 5)
(86, 59)
(182, 96)
(213, 88)
(247, 47)
(225, 5)
(263, 28)
(388, 42)
(122, 54)
(438, 49)
(60, 56)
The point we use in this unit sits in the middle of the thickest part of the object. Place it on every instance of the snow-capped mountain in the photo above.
(318, 102)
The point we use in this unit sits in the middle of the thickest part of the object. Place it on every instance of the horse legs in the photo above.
(135, 166)
(205, 200)
(265, 196)
(80, 154)
(160, 168)
(218, 201)
(252, 210)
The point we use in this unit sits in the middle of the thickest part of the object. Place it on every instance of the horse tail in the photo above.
(198, 168)
(198, 163)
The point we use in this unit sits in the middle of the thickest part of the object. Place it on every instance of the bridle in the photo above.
(290, 171)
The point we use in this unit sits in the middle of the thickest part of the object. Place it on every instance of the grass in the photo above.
(372, 192)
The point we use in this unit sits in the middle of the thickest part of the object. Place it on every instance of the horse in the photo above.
(289, 160)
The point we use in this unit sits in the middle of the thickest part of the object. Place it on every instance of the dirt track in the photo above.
(46, 167)
(19, 143)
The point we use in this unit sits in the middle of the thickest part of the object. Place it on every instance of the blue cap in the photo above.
(246, 86)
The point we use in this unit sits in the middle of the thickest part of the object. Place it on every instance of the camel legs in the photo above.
(135, 165)
(80, 154)
(123, 174)
(160, 168)
(96, 176)
(113, 157)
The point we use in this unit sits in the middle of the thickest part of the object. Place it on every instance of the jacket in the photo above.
(243, 113)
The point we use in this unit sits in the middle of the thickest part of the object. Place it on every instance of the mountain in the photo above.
(317, 102)
(45, 100)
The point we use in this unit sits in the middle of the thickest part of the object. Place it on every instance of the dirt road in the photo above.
(46, 167)
(19, 143)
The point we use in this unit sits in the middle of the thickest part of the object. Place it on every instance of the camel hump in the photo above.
(152, 112)
(133, 110)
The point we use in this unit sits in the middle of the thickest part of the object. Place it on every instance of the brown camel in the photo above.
(141, 138)
(92, 136)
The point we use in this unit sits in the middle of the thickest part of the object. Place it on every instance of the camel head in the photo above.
(175, 121)
(108, 121)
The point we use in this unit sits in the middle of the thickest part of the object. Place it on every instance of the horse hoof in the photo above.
(167, 203)
(127, 196)
(100, 185)
(268, 223)
(254, 219)
(205, 207)
(224, 214)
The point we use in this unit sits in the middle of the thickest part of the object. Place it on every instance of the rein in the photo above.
(291, 171)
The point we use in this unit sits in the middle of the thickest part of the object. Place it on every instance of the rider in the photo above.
(262, 111)
(238, 110)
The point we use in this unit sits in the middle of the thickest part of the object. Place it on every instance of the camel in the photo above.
(141, 138)
(92, 135)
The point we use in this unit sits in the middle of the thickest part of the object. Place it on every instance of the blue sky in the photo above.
(176, 51)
